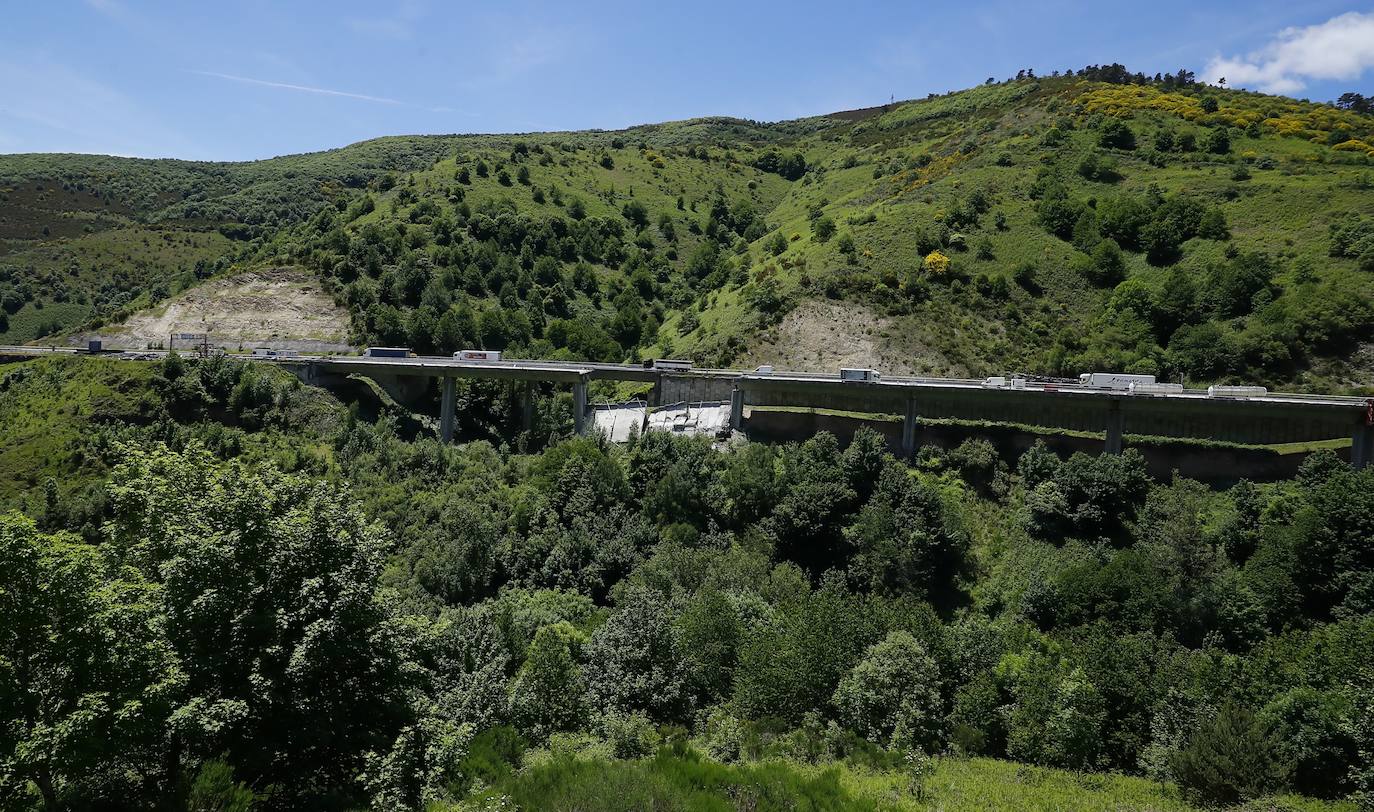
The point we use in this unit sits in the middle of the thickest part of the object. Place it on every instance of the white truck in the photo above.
(478, 355)
(858, 375)
(1236, 391)
(671, 364)
(1118, 381)
(1140, 388)
(1004, 382)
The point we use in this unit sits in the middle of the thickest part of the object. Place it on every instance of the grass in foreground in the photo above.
(685, 780)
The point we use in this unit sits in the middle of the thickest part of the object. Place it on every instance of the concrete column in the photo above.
(446, 406)
(909, 428)
(1116, 425)
(579, 405)
(527, 406)
(1362, 449)
(736, 408)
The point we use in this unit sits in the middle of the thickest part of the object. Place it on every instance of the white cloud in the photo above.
(1340, 48)
(302, 88)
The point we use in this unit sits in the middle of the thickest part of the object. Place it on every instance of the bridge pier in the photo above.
(1116, 426)
(446, 408)
(527, 406)
(736, 408)
(579, 393)
(1362, 447)
(909, 429)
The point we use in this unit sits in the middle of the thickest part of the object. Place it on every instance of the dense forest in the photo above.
(1047, 224)
(225, 590)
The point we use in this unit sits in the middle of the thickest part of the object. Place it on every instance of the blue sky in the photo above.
(239, 80)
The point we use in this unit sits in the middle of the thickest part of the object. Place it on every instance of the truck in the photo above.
(1004, 382)
(1141, 388)
(669, 364)
(387, 352)
(849, 374)
(478, 355)
(268, 352)
(1236, 391)
(1119, 381)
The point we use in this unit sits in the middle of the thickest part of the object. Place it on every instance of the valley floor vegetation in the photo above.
(223, 590)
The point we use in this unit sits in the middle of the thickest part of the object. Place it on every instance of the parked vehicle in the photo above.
(848, 374)
(1112, 380)
(478, 355)
(1236, 391)
(387, 352)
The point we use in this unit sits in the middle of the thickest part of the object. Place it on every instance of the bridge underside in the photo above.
(1260, 423)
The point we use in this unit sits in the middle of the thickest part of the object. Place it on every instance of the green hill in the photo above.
(1046, 225)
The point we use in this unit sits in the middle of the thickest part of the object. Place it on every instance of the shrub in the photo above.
(823, 228)
(892, 696)
(215, 790)
(1218, 141)
(1116, 134)
(936, 264)
(1229, 759)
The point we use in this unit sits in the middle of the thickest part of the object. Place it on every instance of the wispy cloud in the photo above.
(505, 59)
(323, 91)
(106, 6)
(1340, 48)
(400, 25)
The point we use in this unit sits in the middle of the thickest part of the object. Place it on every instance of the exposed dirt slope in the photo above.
(823, 334)
(277, 307)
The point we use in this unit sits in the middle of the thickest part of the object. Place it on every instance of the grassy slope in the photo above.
(1284, 211)
(57, 414)
(49, 407)
(680, 783)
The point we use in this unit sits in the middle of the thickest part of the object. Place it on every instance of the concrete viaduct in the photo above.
(1264, 420)
(1270, 419)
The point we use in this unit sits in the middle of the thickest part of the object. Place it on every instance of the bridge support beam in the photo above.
(579, 392)
(446, 408)
(1362, 449)
(736, 408)
(1116, 426)
(909, 429)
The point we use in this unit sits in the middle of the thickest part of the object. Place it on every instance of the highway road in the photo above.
(443, 366)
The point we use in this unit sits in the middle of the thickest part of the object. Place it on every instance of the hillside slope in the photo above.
(1045, 225)
(268, 307)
